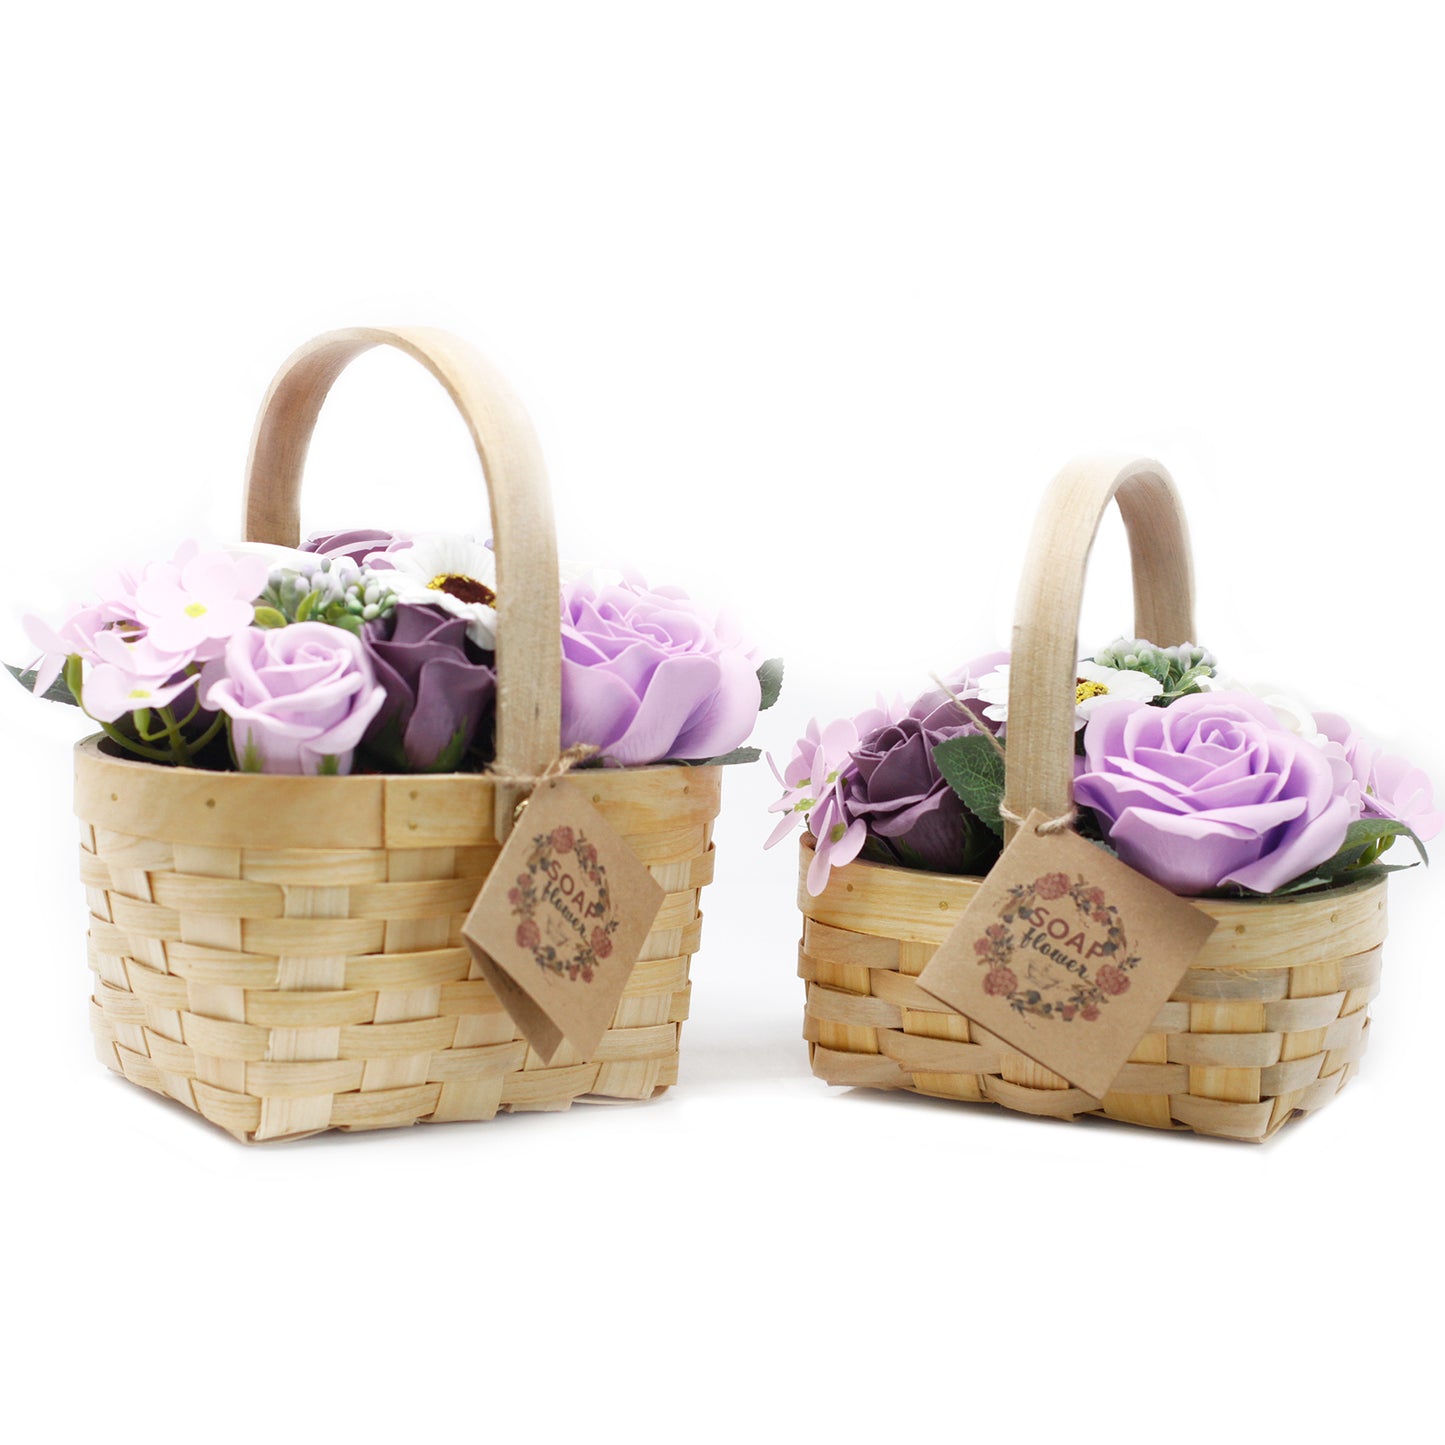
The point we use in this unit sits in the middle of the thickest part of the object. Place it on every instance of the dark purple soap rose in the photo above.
(437, 690)
(1210, 791)
(896, 789)
(356, 544)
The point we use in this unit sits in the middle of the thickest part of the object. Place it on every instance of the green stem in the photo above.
(131, 745)
(193, 671)
(180, 753)
(146, 735)
(210, 733)
(73, 680)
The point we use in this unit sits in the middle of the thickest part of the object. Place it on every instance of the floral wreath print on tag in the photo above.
(1079, 995)
(564, 906)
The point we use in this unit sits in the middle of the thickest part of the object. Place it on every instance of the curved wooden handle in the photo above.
(529, 655)
(1042, 673)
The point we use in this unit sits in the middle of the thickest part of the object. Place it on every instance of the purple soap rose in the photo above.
(436, 693)
(298, 698)
(356, 544)
(648, 674)
(1210, 791)
(894, 786)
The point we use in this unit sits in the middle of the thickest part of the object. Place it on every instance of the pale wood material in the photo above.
(284, 955)
(284, 991)
(1042, 668)
(1268, 1022)
(529, 655)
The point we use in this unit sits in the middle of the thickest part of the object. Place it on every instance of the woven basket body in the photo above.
(284, 954)
(282, 989)
(1269, 1020)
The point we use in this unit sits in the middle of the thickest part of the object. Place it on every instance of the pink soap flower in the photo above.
(1388, 786)
(813, 785)
(143, 636)
(298, 698)
(194, 603)
(130, 673)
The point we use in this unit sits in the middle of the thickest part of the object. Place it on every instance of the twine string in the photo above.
(1049, 825)
(564, 762)
(1044, 829)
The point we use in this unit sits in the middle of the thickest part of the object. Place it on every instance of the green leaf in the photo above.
(973, 768)
(250, 760)
(1365, 840)
(307, 606)
(1355, 859)
(738, 755)
(1316, 881)
(330, 766)
(58, 691)
(269, 617)
(770, 678)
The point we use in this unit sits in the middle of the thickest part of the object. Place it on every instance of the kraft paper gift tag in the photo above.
(561, 919)
(1067, 954)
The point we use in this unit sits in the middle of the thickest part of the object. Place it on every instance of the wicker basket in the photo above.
(1270, 1019)
(282, 954)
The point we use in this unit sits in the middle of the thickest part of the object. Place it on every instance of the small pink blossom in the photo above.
(111, 691)
(812, 785)
(194, 606)
(1384, 785)
(148, 628)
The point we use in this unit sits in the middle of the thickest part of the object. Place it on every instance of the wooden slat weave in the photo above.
(1269, 1022)
(283, 991)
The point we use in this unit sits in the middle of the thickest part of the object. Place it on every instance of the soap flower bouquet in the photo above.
(371, 651)
(1207, 787)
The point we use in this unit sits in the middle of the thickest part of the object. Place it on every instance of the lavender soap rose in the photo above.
(647, 674)
(1210, 793)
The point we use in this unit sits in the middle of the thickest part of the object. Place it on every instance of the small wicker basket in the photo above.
(284, 954)
(1270, 1019)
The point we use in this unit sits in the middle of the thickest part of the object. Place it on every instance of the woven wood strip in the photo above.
(1265, 1026)
(278, 992)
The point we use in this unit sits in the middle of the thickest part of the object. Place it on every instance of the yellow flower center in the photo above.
(1086, 690)
(139, 692)
(464, 589)
(195, 609)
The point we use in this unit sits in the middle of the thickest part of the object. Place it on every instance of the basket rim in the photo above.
(97, 746)
(376, 810)
(1314, 895)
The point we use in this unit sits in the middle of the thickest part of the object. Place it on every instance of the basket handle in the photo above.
(529, 655)
(1042, 673)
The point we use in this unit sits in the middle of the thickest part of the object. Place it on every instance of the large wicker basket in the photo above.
(1270, 1019)
(284, 954)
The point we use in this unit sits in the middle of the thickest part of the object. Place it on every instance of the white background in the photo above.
(807, 303)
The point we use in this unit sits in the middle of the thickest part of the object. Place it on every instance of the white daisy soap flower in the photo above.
(457, 574)
(1092, 685)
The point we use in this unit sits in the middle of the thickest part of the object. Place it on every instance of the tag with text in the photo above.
(1067, 954)
(561, 919)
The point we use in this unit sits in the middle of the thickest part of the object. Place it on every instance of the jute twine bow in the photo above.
(564, 762)
(1049, 825)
